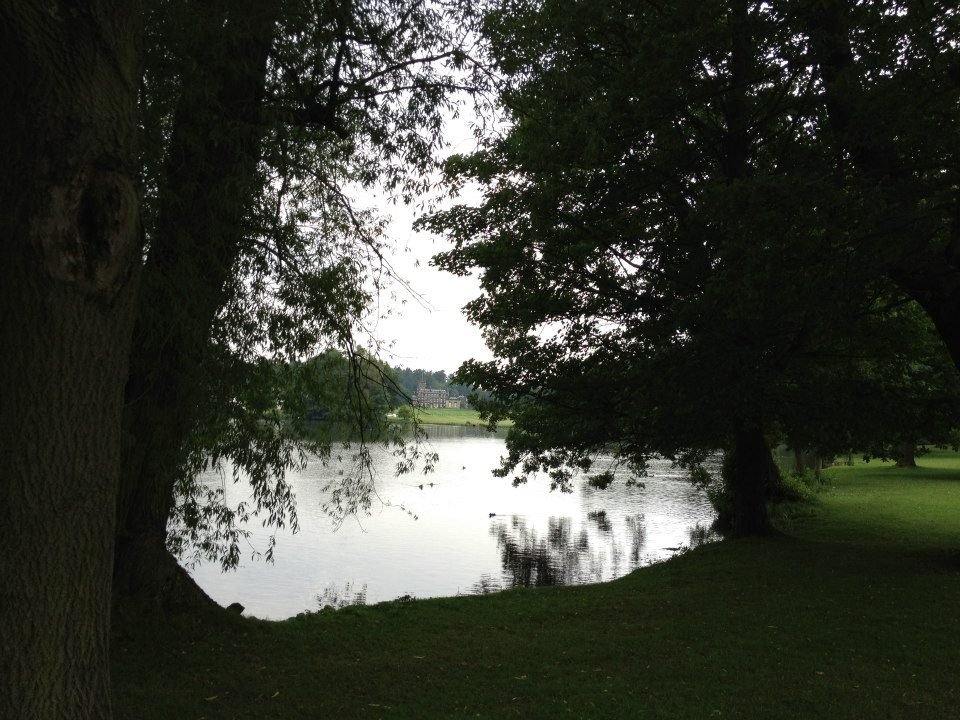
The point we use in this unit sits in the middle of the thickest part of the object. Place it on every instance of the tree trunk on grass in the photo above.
(803, 461)
(906, 455)
(210, 176)
(750, 482)
(69, 260)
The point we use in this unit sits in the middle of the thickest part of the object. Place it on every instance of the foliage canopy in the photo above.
(260, 124)
(677, 248)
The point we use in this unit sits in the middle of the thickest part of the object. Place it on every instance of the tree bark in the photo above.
(69, 264)
(906, 455)
(203, 205)
(803, 461)
(750, 482)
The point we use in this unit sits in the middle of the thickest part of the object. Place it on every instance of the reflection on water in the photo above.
(701, 535)
(600, 518)
(473, 533)
(560, 557)
(636, 531)
(563, 556)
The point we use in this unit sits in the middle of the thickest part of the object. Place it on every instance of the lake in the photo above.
(473, 533)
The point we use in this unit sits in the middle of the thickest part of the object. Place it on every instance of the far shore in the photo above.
(452, 416)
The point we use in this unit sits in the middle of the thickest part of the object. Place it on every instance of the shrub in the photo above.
(797, 487)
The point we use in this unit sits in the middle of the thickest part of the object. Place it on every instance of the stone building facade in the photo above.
(428, 398)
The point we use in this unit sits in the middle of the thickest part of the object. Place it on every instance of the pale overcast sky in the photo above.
(433, 334)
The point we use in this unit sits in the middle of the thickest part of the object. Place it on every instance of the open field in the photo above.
(852, 612)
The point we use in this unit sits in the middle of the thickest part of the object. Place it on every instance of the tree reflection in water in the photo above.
(562, 556)
(701, 535)
(600, 518)
(638, 537)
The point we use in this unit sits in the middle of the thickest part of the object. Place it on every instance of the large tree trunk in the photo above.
(68, 269)
(210, 174)
(750, 482)
(907, 455)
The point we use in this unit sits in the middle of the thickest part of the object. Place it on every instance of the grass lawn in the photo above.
(853, 612)
(454, 416)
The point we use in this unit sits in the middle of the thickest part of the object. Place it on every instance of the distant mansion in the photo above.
(427, 398)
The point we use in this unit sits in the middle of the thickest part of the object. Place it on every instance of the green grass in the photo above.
(454, 416)
(853, 612)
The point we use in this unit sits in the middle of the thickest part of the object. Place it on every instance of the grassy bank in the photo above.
(851, 613)
(454, 416)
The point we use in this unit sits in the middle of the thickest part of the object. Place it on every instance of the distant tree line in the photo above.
(410, 379)
(345, 390)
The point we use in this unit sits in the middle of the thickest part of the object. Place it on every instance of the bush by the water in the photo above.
(784, 487)
(797, 486)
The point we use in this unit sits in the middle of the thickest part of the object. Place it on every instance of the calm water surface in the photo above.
(473, 533)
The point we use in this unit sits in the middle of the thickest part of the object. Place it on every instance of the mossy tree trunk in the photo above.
(69, 260)
(210, 176)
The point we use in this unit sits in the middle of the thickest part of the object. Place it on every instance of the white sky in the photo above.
(432, 332)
